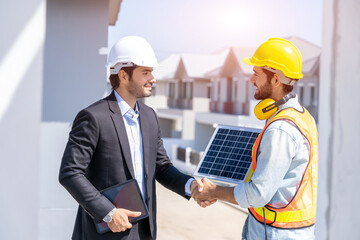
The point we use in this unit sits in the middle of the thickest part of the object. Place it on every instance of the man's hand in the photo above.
(206, 196)
(196, 185)
(120, 220)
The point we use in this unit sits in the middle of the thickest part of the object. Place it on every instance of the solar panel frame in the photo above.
(228, 161)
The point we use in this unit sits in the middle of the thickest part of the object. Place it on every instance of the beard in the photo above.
(138, 90)
(263, 92)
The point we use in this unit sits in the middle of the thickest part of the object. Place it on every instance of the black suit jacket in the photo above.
(97, 156)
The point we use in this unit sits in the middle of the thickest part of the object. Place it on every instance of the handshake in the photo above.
(204, 192)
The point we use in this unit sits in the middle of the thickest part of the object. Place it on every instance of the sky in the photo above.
(206, 26)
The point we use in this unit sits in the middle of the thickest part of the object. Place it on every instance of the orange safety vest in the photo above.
(301, 210)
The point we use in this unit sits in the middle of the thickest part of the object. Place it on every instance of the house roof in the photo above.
(243, 52)
(168, 67)
(309, 52)
(207, 65)
(114, 9)
(197, 65)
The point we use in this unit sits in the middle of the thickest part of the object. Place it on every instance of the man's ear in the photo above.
(122, 75)
(276, 80)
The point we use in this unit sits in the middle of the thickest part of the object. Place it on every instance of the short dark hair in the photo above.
(286, 88)
(114, 78)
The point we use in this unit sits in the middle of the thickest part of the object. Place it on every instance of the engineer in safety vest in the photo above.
(281, 193)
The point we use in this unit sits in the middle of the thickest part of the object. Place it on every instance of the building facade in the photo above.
(50, 68)
(207, 90)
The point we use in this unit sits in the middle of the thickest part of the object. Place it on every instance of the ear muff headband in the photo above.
(267, 107)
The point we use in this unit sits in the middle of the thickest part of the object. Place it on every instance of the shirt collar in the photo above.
(124, 107)
(291, 103)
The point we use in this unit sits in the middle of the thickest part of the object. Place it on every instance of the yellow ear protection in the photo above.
(267, 107)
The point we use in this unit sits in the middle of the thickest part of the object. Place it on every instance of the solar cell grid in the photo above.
(227, 157)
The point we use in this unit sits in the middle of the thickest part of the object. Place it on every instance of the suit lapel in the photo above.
(145, 128)
(118, 121)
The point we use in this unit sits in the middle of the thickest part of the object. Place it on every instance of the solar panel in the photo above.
(227, 157)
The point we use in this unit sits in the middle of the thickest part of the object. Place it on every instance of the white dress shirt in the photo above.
(132, 126)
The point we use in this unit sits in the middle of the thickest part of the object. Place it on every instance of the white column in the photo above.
(339, 128)
(74, 77)
(22, 27)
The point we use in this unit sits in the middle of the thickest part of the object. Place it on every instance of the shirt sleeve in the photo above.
(187, 187)
(110, 214)
(276, 150)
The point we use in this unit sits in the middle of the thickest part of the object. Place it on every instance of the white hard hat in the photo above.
(130, 51)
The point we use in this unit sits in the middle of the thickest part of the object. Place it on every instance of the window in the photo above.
(188, 90)
(229, 87)
(185, 90)
(219, 90)
(208, 91)
(181, 90)
(312, 96)
(301, 94)
(247, 89)
(171, 90)
(236, 90)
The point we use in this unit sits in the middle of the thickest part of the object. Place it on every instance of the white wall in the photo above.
(161, 87)
(188, 125)
(159, 99)
(169, 144)
(203, 133)
(56, 42)
(241, 89)
(74, 77)
(74, 74)
(166, 126)
(200, 88)
(57, 209)
(229, 119)
(201, 104)
(156, 102)
(22, 27)
(339, 129)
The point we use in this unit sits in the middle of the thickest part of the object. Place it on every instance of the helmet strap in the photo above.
(118, 66)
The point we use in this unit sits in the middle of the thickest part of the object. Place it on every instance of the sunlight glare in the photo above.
(234, 18)
(27, 45)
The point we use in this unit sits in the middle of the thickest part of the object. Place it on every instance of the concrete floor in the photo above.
(184, 220)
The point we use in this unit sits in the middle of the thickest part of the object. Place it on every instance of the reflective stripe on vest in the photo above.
(301, 210)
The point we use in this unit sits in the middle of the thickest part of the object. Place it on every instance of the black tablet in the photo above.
(125, 195)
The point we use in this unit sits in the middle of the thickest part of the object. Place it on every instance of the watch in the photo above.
(108, 217)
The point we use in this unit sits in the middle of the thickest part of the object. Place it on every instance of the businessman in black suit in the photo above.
(116, 139)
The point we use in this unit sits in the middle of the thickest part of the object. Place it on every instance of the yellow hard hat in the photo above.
(280, 54)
